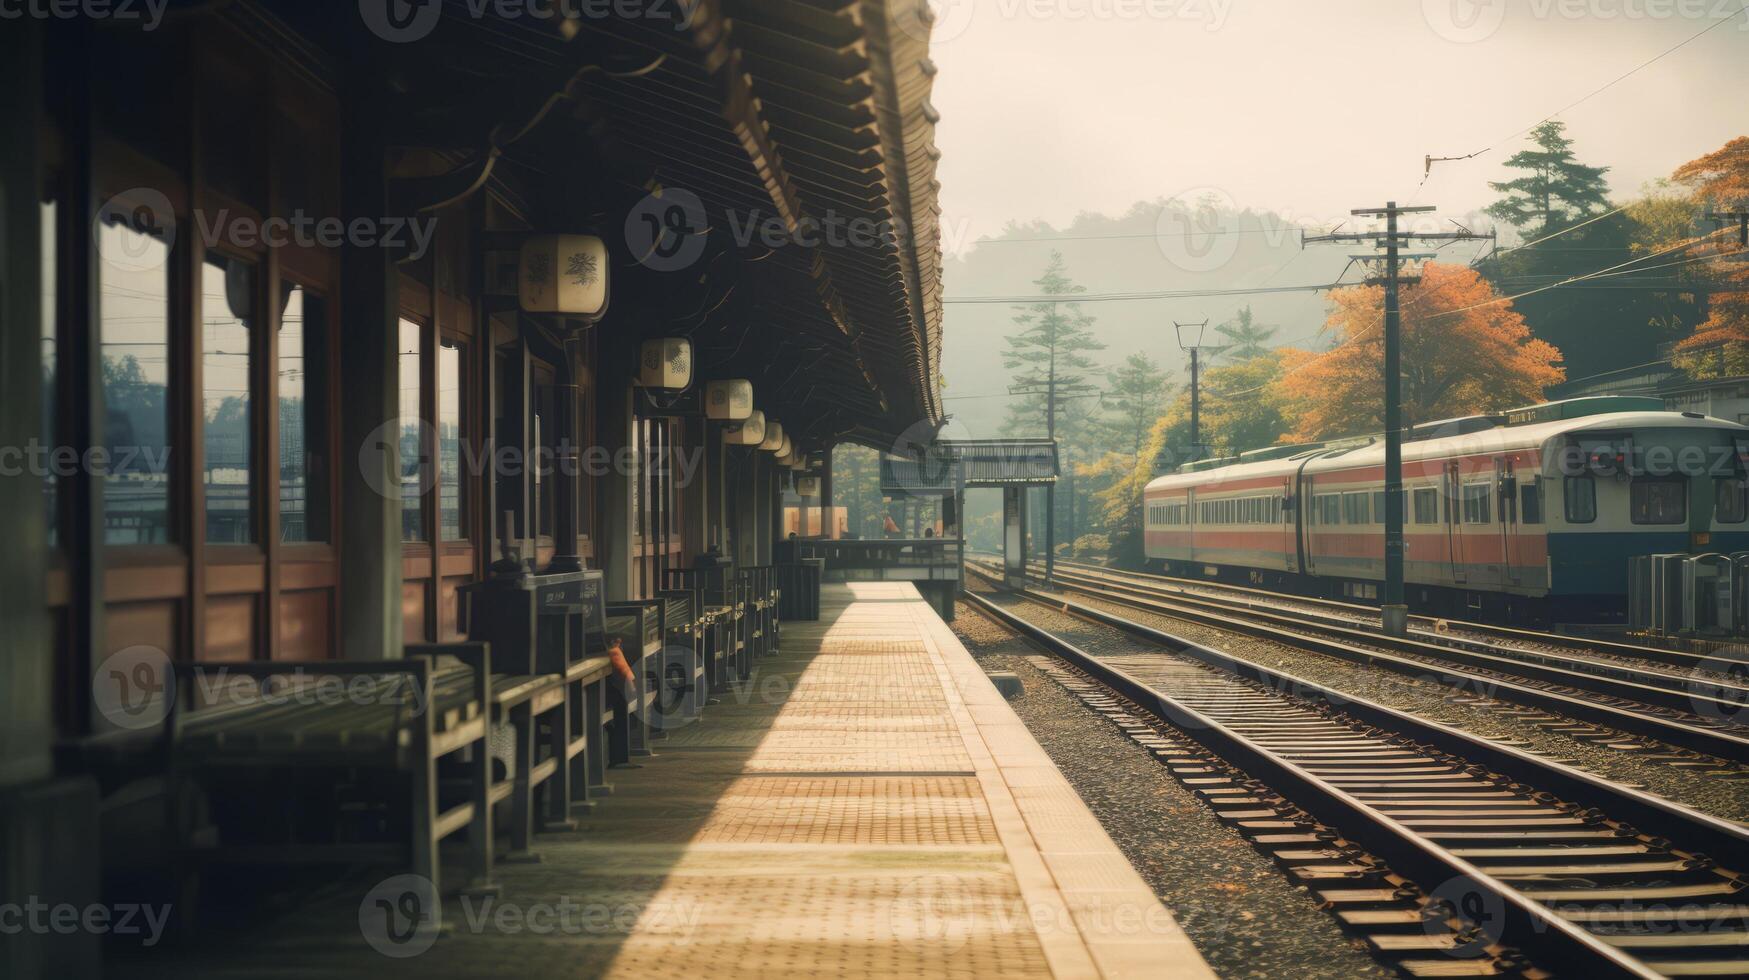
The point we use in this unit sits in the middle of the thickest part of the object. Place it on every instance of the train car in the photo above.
(1530, 515)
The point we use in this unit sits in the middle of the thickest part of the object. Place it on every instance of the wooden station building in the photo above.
(316, 312)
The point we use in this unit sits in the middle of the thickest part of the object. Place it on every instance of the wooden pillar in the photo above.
(614, 489)
(369, 463)
(27, 663)
(48, 826)
(695, 500)
(828, 526)
(744, 531)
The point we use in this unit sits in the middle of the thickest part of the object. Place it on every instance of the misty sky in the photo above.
(1309, 107)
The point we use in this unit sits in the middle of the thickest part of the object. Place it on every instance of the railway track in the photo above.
(1441, 629)
(1506, 850)
(1695, 711)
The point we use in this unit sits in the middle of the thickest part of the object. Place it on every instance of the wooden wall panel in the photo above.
(230, 628)
(448, 606)
(412, 615)
(306, 625)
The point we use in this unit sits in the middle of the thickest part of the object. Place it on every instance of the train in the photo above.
(1528, 515)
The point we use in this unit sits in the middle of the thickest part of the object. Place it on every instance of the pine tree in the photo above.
(1135, 399)
(1050, 352)
(1556, 191)
(1249, 338)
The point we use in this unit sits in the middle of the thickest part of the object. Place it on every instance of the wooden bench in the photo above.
(683, 657)
(716, 597)
(405, 717)
(639, 625)
(556, 718)
(762, 600)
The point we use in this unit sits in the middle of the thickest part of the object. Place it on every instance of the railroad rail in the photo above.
(1509, 850)
(1695, 711)
(1444, 628)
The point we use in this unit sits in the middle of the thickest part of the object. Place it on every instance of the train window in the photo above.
(1730, 501)
(1581, 498)
(1378, 506)
(1330, 508)
(1530, 501)
(1426, 500)
(1476, 509)
(1354, 508)
(1658, 500)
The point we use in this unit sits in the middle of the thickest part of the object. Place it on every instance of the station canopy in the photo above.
(946, 466)
(798, 140)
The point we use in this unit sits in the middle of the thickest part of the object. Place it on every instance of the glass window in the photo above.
(450, 486)
(1581, 498)
(1426, 501)
(227, 330)
(410, 347)
(50, 398)
(1658, 500)
(1530, 501)
(1354, 508)
(1730, 505)
(134, 293)
(303, 416)
(1378, 506)
(1476, 503)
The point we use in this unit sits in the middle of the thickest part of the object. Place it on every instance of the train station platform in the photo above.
(866, 804)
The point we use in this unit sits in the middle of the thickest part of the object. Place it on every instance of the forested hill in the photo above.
(1154, 254)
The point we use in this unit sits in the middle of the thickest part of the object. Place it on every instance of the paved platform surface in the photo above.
(866, 804)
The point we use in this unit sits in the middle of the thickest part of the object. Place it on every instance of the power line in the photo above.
(1283, 230)
(1431, 160)
(1126, 297)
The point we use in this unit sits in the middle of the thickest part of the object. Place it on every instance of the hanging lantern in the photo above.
(728, 401)
(665, 363)
(773, 437)
(807, 486)
(788, 448)
(563, 274)
(750, 431)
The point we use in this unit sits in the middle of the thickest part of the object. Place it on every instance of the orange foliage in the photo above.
(1721, 178)
(1454, 363)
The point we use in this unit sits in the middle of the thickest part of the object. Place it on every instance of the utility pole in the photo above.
(1393, 612)
(1194, 350)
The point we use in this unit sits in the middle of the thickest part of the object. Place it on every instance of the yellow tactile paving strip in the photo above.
(838, 810)
(925, 833)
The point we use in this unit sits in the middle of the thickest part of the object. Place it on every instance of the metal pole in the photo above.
(1394, 618)
(1394, 615)
(1051, 488)
(1195, 406)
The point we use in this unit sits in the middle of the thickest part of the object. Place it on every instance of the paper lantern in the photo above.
(665, 363)
(773, 437)
(563, 274)
(808, 486)
(728, 401)
(750, 431)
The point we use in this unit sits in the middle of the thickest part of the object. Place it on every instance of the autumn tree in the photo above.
(1720, 344)
(1464, 351)
(1241, 409)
